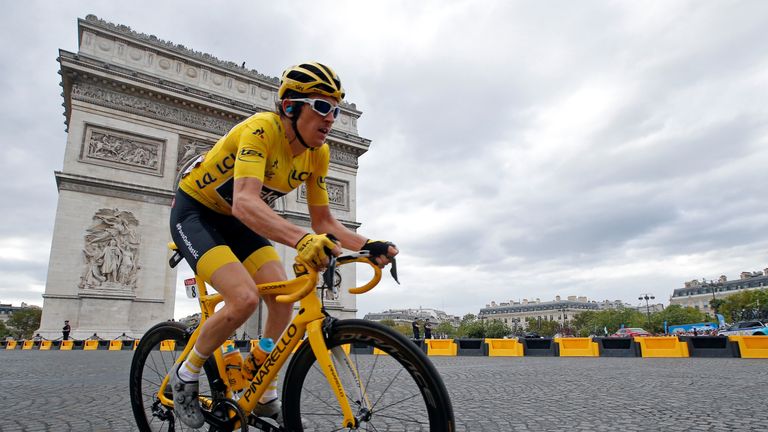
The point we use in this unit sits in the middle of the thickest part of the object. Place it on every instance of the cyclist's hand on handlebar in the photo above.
(381, 251)
(314, 249)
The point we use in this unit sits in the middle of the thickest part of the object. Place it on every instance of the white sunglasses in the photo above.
(320, 106)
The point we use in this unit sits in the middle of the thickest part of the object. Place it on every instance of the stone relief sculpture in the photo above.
(337, 193)
(121, 149)
(111, 251)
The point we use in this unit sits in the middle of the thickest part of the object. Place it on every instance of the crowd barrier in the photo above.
(617, 347)
(441, 347)
(577, 347)
(710, 346)
(539, 347)
(504, 348)
(751, 346)
(662, 346)
(471, 347)
(649, 346)
(115, 345)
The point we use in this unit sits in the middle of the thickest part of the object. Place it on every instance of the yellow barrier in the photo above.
(662, 346)
(28, 345)
(135, 344)
(751, 346)
(11, 345)
(377, 351)
(115, 345)
(578, 347)
(66, 345)
(90, 345)
(441, 347)
(504, 348)
(167, 345)
(46, 345)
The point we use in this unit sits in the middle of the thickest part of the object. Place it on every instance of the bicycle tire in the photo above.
(306, 390)
(148, 368)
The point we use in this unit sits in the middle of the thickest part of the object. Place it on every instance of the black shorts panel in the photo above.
(196, 229)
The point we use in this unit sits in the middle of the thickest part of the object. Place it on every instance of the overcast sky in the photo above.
(519, 149)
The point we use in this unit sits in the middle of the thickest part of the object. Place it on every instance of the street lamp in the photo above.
(647, 297)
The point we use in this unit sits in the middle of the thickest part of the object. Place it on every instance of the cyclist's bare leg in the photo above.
(279, 313)
(241, 299)
(278, 317)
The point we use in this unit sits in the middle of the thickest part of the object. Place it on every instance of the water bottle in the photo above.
(233, 362)
(256, 358)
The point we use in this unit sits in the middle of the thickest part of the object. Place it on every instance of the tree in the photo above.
(716, 304)
(470, 327)
(496, 329)
(445, 329)
(677, 314)
(542, 327)
(596, 322)
(745, 305)
(388, 322)
(25, 321)
(4, 331)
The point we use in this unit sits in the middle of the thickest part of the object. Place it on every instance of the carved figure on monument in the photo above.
(103, 145)
(111, 251)
(110, 261)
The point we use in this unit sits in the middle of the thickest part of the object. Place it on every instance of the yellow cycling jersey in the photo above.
(256, 147)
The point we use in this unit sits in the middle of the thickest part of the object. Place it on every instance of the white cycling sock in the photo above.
(190, 369)
(270, 394)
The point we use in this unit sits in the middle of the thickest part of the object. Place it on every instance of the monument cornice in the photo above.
(111, 188)
(82, 68)
(182, 53)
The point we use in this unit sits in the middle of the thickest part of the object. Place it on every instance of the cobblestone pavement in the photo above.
(88, 391)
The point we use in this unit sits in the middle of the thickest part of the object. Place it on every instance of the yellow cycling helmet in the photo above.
(311, 78)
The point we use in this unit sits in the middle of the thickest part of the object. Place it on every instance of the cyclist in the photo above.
(223, 220)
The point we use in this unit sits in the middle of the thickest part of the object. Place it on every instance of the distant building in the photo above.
(611, 305)
(6, 310)
(516, 314)
(698, 294)
(406, 316)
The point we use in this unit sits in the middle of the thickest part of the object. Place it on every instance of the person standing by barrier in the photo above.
(427, 329)
(65, 330)
(415, 325)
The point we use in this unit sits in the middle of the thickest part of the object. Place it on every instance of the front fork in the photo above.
(316, 335)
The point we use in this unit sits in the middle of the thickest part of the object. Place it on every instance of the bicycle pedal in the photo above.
(267, 424)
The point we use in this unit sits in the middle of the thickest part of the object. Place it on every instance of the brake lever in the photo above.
(393, 269)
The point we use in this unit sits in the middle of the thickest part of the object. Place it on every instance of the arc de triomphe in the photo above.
(137, 109)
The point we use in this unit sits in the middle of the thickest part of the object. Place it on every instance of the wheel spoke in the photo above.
(390, 386)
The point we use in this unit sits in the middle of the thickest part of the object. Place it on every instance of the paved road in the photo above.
(88, 391)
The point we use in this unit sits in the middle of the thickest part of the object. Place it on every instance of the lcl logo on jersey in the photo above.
(250, 155)
(298, 177)
(259, 132)
(321, 182)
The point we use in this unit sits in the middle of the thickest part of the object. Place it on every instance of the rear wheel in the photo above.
(151, 363)
(396, 391)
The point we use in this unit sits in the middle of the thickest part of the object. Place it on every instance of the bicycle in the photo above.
(336, 362)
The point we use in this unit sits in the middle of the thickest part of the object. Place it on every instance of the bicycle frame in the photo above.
(309, 320)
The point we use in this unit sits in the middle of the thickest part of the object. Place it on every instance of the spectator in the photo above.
(427, 329)
(65, 330)
(415, 325)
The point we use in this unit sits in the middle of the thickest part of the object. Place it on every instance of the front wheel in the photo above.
(395, 389)
(152, 361)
